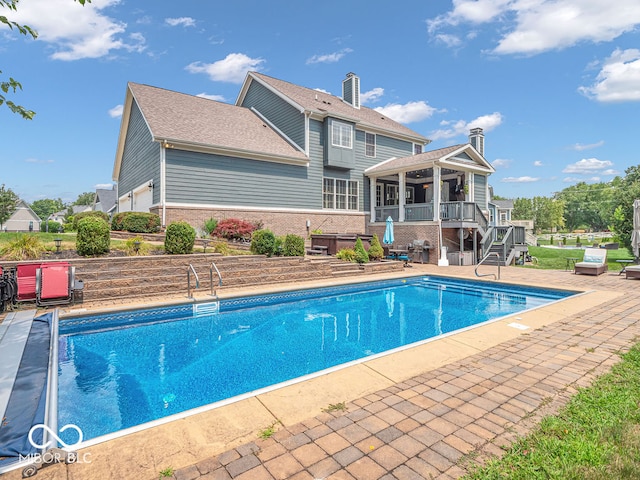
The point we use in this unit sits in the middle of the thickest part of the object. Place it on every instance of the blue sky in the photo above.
(555, 84)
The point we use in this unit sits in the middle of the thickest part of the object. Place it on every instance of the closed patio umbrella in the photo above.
(635, 234)
(388, 232)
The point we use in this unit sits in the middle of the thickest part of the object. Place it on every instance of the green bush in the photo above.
(136, 222)
(141, 222)
(93, 236)
(143, 248)
(347, 254)
(94, 213)
(221, 247)
(263, 242)
(376, 251)
(210, 226)
(24, 247)
(54, 227)
(361, 254)
(293, 246)
(179, 238)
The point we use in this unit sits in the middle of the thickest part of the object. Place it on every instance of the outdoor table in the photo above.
(624, 263)
(400, 253)
(571, 262)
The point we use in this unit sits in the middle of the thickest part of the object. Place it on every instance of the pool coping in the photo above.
(188, 440)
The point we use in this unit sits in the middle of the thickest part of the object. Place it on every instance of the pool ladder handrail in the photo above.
(211, 269)
(490, 254)
(189, 270)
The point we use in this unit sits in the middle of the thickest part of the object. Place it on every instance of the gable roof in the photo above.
(503, 204)
(196, 123)
(106, 198)
(463, 156)
(321, 104)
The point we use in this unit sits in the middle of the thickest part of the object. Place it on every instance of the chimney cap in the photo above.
(351, 74)
(476, 130)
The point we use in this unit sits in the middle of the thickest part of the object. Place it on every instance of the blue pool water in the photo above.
(124, 369)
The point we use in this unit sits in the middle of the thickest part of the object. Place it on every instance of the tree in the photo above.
(628, 191)
(13, 85)
(522, 209)
(588, 205)
(85, 198)
(546, 213)
(8, 203)
(47, 206)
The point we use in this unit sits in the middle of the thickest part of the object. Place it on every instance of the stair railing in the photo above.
(189, 270)
(211, 269)
(490, 254)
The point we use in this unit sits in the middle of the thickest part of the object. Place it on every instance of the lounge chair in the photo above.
(593, 263)
(54, 284)
(26, 279)
(632, 271)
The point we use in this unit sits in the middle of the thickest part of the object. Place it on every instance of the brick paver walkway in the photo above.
(438, 424)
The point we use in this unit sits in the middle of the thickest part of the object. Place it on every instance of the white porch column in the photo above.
(436, 192)
(372, 198)
(401, 193)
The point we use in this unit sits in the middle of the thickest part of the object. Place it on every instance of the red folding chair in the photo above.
(26, 279)
(54, 284)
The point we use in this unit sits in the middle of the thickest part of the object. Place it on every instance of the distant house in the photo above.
(500, 212)
(105, 200)
(23, 219)
(297, 160)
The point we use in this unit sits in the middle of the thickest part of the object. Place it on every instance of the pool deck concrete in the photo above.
(430, 411)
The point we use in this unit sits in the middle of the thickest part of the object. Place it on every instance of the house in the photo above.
(297, 160)
(105, 200)
(22, 220)
(500, 212)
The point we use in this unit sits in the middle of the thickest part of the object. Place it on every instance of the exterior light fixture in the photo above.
(58, 242)
(136, 246)
(205, 244)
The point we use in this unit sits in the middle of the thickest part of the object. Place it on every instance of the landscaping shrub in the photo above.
(210, 226)
(94, 213)
(221, 247)
(375, 250)
(24, 247)
(347, 254)
(361, 254)
(93, 236)
(263, 242)
(179, 238)
(54, 227)
(233, 229)
(141, 222)
(293, 246)
(136, 222)
(143, 248)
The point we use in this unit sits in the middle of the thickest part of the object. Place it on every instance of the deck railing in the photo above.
(449, 211)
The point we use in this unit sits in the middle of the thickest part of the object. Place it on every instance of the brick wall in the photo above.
(405, 233)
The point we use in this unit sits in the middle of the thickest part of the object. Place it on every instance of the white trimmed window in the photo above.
(341, 135)
(417, 148)
(370, 144)
(338, 194)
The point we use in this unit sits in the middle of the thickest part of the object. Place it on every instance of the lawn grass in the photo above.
(596, 436)
(556, 258)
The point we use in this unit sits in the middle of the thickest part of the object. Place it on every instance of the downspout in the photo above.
(163, 183)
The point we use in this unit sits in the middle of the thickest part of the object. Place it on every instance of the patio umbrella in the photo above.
(388, 232)
(635, 234)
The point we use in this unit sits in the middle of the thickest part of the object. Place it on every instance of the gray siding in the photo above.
(480, 190)
(339, 157)
(141, 157)
(286, 118)
(204, 179)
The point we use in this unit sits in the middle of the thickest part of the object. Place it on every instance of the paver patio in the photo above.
(436, 422)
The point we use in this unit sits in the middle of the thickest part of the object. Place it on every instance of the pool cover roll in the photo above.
(26, 404)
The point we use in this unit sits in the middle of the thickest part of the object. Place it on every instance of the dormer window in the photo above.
(341, 135)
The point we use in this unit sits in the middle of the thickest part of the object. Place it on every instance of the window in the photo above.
(392, 195)
(417, 148)
(341, 135)
(340, 194)
(370, 144)
(379, 187)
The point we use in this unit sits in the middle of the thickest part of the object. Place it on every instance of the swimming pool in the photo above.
(124, 369)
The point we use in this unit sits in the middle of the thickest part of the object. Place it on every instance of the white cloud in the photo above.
(38, 161)
(580, 179)
(233, 68)
(579, 147)
(538, 163)
(76, 31)
(217, 98)
(501, 162)
(535, 26)
(587, 166)
(407, 113)
(116, 111)
(329, 57)
(372, 95)
(181, 21)
(460, 127)
(524, 179)
(619, 78)
(449, 40)
(103, 186)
